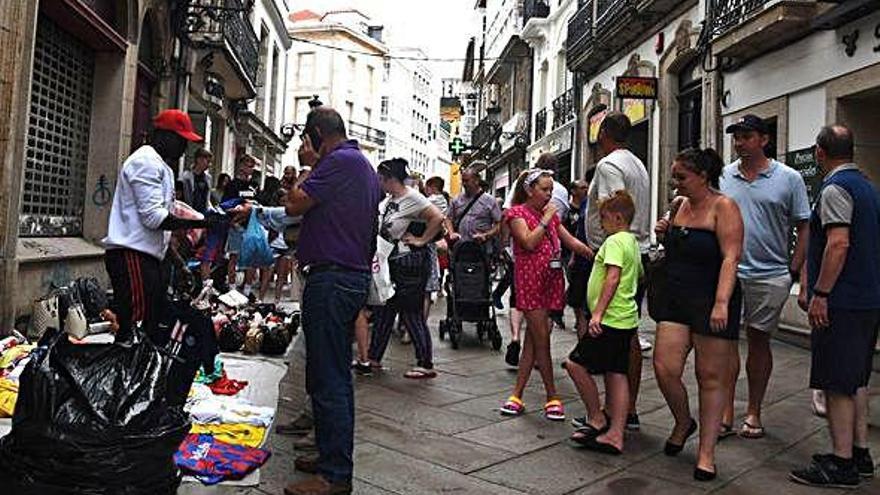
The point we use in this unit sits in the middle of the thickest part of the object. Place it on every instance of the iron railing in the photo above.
(366, 133)
(563, 108)
(540, 124)
(609, 13)
(725, 15)
(484, 132)
(580, 27)
(539, 9)
(224, 23)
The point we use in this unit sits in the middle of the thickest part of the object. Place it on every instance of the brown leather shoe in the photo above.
(306, 464)
(317, 486)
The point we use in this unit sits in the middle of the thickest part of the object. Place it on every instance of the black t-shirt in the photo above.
(236, 186)
(200, 193)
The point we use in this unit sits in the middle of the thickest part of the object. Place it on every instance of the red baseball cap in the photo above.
(177, 121)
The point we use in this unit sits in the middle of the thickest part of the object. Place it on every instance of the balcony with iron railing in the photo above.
(538, 9)
(485, 132)
(366, 134)
(223, 24)
(540, 124)
(563, 108)
(744, 29)
(602, 28)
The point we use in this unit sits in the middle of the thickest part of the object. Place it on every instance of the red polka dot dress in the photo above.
(537, 285)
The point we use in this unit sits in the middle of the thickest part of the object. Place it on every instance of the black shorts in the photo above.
(695, 313)
(843, 352)
(607, 353)
(576, 296)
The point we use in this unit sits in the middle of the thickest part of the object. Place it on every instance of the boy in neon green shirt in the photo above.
(604, 347)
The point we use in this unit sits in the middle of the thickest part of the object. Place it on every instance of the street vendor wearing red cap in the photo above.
(141, 222)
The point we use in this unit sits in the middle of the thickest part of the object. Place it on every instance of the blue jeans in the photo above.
(331, 302)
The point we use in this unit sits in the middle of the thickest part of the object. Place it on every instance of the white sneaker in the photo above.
(646, 345)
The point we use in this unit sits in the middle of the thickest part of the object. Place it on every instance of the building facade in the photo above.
(338, 58)
(82, 80)
(501, 76)
(553, 115)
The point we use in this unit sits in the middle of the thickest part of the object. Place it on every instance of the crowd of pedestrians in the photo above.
(725, 268)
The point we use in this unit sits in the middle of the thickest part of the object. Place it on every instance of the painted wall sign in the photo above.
(637, 88)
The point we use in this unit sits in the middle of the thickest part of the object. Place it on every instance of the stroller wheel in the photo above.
(454, 334)
(495, 336)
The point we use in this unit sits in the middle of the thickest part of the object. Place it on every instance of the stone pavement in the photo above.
(446, 436)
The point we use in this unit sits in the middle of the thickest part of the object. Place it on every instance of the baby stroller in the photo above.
(470, 296)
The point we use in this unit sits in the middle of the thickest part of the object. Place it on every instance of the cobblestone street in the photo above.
(446, 436)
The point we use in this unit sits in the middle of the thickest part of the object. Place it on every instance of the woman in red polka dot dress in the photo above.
(540, 284)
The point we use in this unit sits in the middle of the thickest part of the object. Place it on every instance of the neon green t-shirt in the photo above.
(622, 250)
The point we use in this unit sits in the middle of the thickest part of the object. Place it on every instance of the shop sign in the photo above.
(637, 88)
(804, 161)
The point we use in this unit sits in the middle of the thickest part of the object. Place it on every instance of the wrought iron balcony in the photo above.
(579, 40)
(540, 124)
(725, 15)
(602, 28)
(744, 29)
(485, 132)
(366, 134)
(539, 9)
(563, 108)
(223, 24)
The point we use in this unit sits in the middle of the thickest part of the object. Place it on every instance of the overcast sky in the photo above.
(441, 28)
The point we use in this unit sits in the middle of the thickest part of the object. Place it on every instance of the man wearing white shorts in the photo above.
(772, 198)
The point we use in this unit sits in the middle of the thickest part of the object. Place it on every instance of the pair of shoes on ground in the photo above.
(553, 409)
(830, 471)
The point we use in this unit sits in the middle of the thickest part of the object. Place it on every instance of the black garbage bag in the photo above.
(96, 420)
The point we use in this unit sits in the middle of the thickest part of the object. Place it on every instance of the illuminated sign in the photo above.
(637, 88)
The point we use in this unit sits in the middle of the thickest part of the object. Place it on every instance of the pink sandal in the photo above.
(554, 411)
(513, 407)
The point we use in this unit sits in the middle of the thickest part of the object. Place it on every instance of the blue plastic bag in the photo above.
(255, 250)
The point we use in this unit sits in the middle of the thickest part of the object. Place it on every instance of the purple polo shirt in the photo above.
(339, 228)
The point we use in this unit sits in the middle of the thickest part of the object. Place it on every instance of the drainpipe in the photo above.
(576, 139)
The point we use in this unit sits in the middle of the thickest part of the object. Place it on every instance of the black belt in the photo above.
(328, 267)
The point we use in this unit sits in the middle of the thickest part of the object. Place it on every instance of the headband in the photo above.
(535, 174)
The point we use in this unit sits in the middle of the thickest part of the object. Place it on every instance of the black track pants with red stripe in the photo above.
(138, 290)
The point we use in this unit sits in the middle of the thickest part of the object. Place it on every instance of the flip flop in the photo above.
(591, 443)
(750, 431)
(420, 374)
(727, 431)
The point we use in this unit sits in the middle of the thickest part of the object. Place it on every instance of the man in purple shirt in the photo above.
(339, 202)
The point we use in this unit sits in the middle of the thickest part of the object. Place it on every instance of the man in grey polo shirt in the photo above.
(772, 198)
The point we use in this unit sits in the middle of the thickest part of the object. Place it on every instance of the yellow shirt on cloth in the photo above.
(8, 396)
(235, 434)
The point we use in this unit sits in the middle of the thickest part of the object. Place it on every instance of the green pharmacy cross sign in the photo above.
(457, 146)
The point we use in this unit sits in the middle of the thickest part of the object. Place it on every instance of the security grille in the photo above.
(58, 134)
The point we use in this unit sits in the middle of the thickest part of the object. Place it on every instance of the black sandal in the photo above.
(591, 443)
(703, 475)
(727, 431)
(672, 449)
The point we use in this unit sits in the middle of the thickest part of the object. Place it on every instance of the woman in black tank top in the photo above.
(703, 244)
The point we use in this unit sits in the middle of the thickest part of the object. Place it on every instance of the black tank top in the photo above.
(693, 261)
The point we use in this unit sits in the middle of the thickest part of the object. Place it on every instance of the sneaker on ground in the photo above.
(827, 472)
(363, 368)
(645, 344)
(579, 422)
(864, 462)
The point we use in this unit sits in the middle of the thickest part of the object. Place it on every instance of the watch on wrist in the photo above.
(820, 293)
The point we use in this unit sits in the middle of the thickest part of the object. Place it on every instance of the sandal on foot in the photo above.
(419, 373)
(751, 431)
(513, 407)
(593, 443)
(727, 431)
(554, 411)
(672, 449)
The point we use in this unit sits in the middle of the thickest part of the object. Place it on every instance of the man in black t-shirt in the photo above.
(197, 182)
